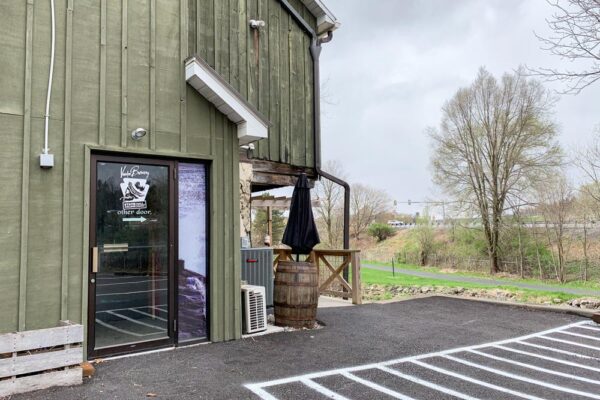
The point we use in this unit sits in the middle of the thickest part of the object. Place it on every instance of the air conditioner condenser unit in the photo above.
(255, 308)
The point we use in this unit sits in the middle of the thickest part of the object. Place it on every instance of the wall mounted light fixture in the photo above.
(138, 134)
(256, 23)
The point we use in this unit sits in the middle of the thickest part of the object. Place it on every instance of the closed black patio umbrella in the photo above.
(301, 231)
(296, 285)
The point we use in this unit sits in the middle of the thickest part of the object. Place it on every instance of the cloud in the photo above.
(393, 64)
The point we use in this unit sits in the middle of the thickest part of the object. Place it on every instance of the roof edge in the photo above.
(326, 20)
(252, 125)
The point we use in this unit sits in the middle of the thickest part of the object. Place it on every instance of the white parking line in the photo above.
(570, 343)
(131, 283)
(580, 335)
(375, 386)
(137, 291)
(477, 381)
(114, 328)
(323, 390)
(131, 308)
(149, 315)
(260, 392)
(522, 378)
(570, 353)
(137, 321)
(260, 389)
(556, 360)
(592, 328)
(536, 368)
(428, 384)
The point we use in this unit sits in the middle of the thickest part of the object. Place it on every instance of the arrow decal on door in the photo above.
(136, 219)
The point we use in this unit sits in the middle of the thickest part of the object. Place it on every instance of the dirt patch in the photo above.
(383, 292)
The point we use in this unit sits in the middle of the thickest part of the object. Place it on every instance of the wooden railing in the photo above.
(331, 265)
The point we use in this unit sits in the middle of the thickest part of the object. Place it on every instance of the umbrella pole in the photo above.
(297, 257)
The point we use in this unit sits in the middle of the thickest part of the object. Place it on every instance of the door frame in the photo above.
(172, 272)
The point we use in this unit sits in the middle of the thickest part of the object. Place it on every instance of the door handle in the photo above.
(94, 259)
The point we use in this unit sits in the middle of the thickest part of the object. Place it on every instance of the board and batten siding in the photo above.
(119, 66)
(271, 68)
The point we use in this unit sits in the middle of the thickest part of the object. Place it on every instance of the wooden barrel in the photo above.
(296, 294)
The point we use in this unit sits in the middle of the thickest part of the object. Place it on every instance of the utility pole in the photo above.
(437, 203)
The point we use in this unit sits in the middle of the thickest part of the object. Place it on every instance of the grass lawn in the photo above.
(578, 284)
(376, 277)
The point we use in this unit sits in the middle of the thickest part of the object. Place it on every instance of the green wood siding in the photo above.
(273, 69)
(119, 66)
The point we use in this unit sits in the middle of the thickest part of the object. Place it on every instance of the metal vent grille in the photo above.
(256, 304)
(255, 318)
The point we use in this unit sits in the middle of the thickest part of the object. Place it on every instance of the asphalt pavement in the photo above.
(413, 338)
(484, 281)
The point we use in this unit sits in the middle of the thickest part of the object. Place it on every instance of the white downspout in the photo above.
(50, 76)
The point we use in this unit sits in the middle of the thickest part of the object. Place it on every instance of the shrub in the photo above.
(380, 231)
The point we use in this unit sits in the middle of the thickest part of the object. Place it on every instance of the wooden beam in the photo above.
(261, 179)
(272, 167)
(281, 203)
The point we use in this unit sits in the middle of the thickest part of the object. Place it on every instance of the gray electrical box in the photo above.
(46, 160)
(257, 269)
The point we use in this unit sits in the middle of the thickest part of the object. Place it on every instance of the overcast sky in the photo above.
(393, 64)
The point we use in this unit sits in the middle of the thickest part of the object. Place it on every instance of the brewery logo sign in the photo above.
(134, 187)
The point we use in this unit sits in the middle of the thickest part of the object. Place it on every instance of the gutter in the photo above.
(315, 52)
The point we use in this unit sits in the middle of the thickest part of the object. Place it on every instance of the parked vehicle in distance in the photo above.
(395, 224)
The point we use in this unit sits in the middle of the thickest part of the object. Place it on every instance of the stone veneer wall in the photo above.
(245, 198)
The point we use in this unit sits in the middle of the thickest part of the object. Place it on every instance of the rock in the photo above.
(425, 289)
(87, 369)
(557, 301)
(574, 302)
(589, 304)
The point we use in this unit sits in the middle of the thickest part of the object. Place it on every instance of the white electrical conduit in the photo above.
(47, 115)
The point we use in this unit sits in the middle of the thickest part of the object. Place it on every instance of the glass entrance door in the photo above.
(131, 290)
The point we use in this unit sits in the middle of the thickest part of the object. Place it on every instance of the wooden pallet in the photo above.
(39, 359)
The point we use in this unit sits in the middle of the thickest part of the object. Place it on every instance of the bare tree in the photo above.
(366, 204)
(329, 211)
(587, 160)
(555, 197)
(425, 238)
(495, 137)
(575, 25)
(585, 210)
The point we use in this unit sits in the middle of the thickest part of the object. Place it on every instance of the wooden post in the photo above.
(270, 222)
(318, 265)
(356, 286)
